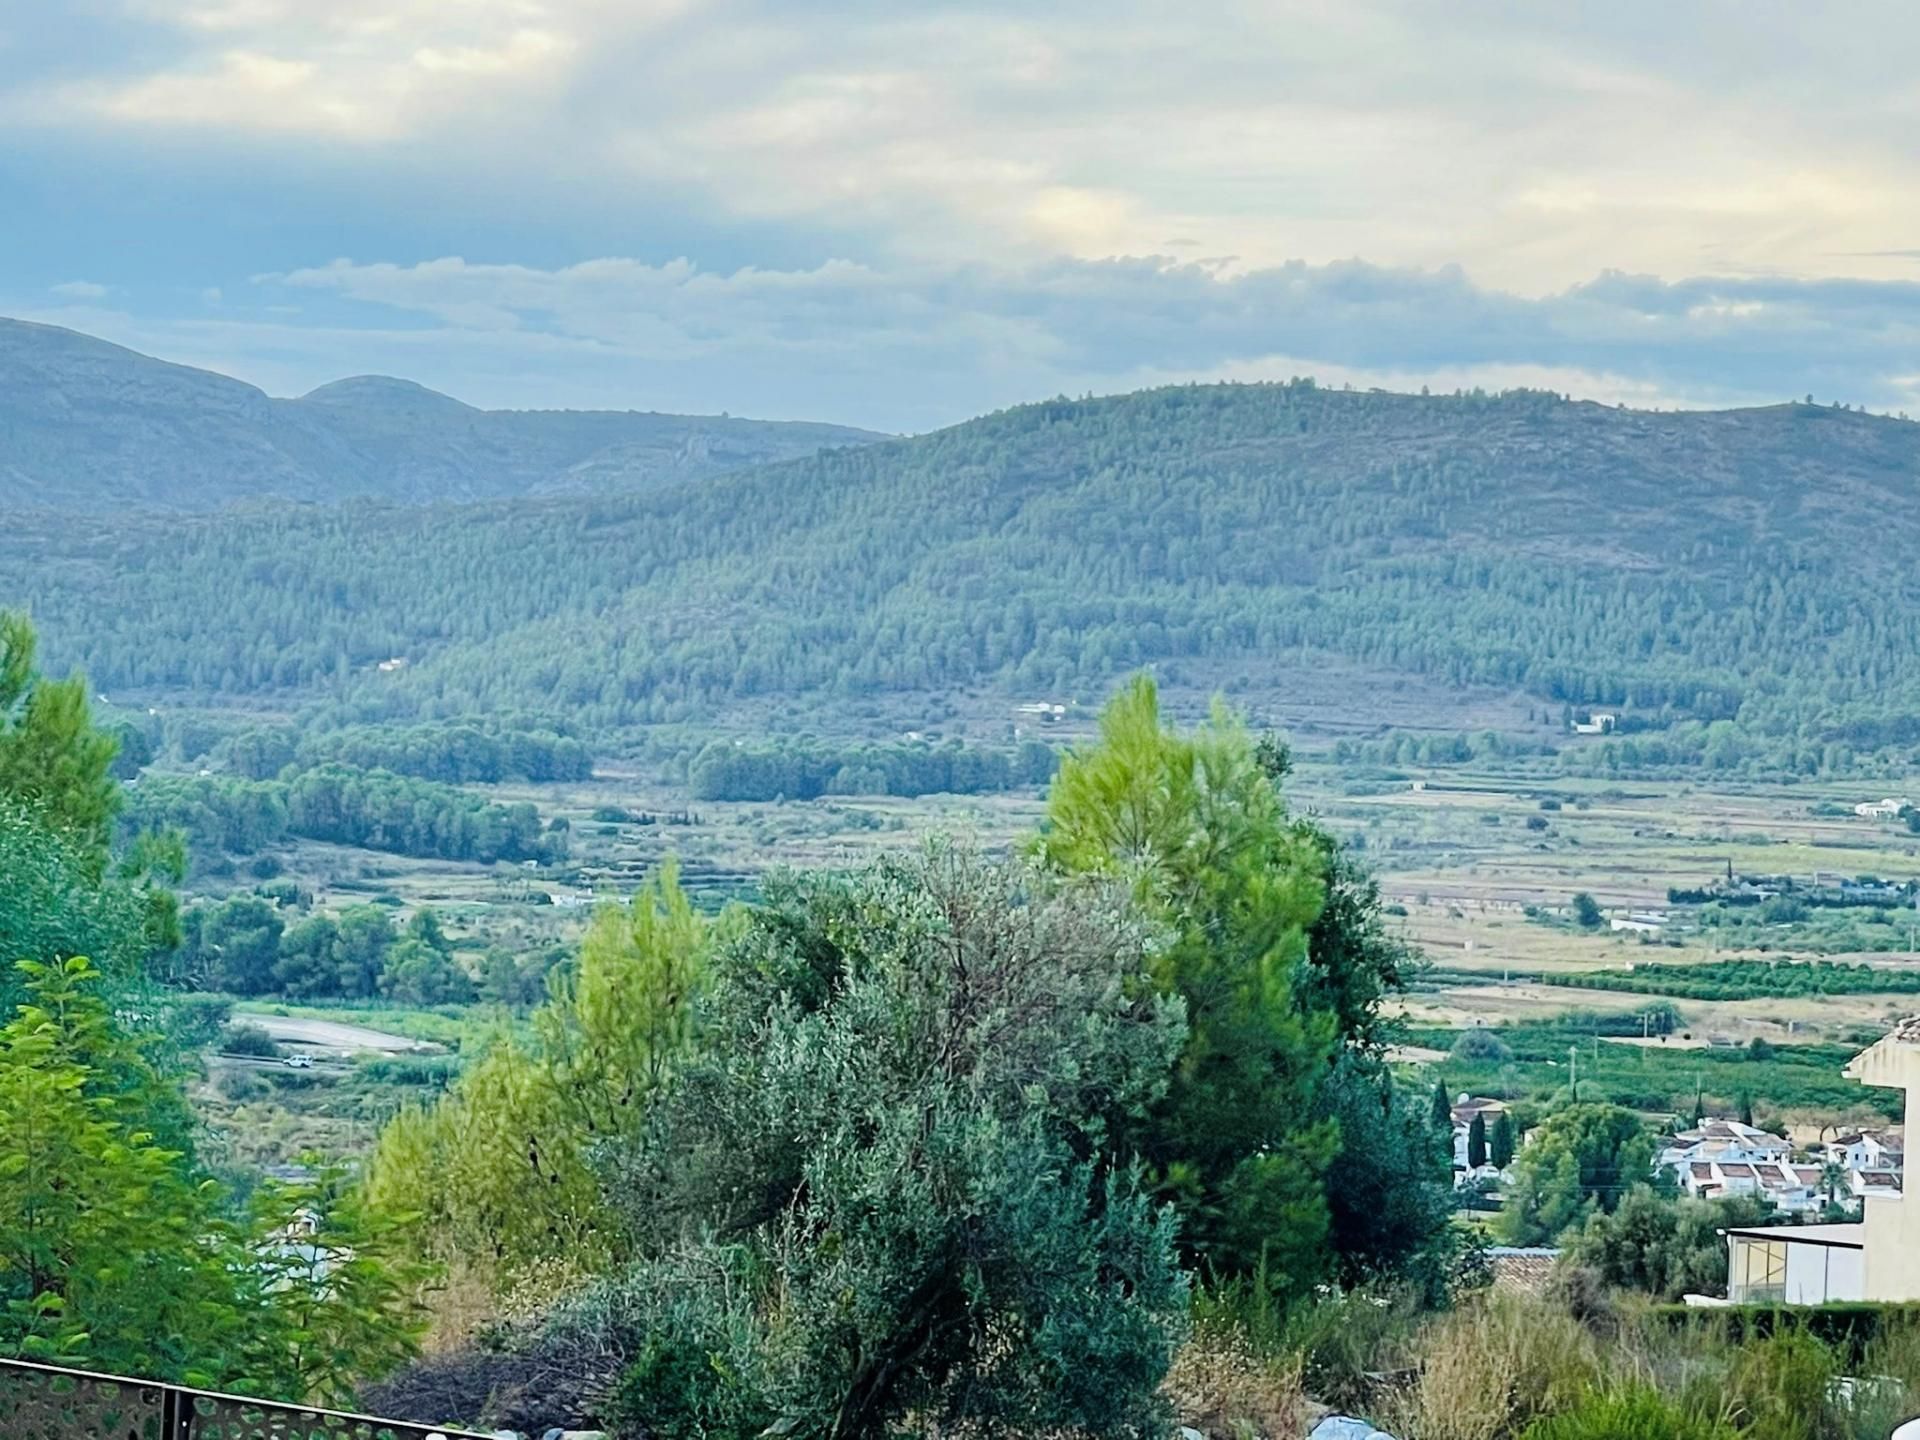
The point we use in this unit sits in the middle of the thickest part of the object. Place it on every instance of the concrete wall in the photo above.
(1893, 1226)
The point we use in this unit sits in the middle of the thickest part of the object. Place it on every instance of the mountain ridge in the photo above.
(87, 425)
(1683, 568)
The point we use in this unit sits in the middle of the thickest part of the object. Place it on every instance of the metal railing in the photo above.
(44, 1402)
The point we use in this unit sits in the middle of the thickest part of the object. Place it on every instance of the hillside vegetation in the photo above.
(1683, 569)
(87, 425)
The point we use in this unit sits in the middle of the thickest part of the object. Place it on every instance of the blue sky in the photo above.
(898, 215)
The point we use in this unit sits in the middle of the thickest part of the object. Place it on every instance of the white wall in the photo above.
(1893, 1226)
(1819, 1273)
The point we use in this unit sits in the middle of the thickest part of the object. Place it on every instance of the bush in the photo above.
(240, 1086)
(1850, 1328)
(1482, 1045)
(1635, 1414)
(249, 1040)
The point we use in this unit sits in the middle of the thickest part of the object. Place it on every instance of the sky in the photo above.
(901, 214)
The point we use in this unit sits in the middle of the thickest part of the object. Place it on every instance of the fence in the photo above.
(43, 1402)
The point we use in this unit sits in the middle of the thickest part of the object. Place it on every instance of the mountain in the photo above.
(85, 425)
(1735, 584)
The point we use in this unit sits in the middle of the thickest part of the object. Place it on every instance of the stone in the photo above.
(1346, 1427)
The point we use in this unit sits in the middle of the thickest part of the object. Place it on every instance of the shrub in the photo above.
(1482, 1045)
(249, 1040)
(1635, 1414)
(240, 1086)
(1784, 1388)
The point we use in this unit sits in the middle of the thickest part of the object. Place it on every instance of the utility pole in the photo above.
(1573, 1057)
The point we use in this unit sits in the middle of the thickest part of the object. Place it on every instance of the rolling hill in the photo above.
(1735, 584)
(85, 425)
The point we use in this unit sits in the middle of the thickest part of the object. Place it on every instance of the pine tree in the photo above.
(1193, 825)
(1477, 1142)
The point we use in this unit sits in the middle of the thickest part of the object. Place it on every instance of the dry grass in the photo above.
(1221, 1387)
(1491, 1368)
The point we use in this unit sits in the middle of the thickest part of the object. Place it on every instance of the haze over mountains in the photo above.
(1688, 569)
(85, 425)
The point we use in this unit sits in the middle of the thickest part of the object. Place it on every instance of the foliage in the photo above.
(1194, 827)
(52, 758)
(1633, 1414)
(1584, 1158)
(1586, 913)
(1481, 1044)
(341, 1291)
(1664, 1246)
(248, 1040)
(802, 771)
(887, 1185)
(372, 809)
(1389, 1187)
(1745, 979)
(115, 1254)
(1051, 547)
(496, 1171)
(1492, 1367)
(1501, 1142)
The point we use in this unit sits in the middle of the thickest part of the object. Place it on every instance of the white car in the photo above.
(301, 1061)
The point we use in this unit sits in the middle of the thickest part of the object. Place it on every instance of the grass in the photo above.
(1506, 1366)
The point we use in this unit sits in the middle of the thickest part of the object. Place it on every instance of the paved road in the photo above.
(331, 1035)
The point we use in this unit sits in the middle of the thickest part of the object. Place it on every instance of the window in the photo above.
(1760, 1271)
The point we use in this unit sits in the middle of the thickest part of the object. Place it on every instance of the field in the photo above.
(1479, 874)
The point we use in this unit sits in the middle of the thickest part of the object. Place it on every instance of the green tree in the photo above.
(103, 1229)
(418, 974)
(1586, 912)
(1665, 1246)
(336, 1276)
(495, 1174)
(309, 963)
(242, 940)
(1193, 826)
(896, 1143)
(51, 754)
(1500, 1141)
(1477, 1141)
(1584, 1158)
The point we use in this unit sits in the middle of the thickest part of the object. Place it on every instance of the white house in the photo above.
(1791, 1189)
(1888, 809)
(1464, 1110)
(1871, 1151)
(1600, 722)
(1877, 1259)
(1722, 1140)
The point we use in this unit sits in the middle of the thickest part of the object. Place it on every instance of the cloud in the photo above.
(1539, 146)
(78, 290)
(913, 346)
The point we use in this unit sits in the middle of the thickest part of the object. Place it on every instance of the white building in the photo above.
(1877, 1259)
(1871, 1151)
(1790, 1189)
(1888, 809)
(1464, 1110)
(1722, 1140)
(1640, 922)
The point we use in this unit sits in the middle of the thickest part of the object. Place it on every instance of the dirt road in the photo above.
(331, 1035)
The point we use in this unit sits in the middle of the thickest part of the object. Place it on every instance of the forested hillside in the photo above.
(88, 425)
(1681, 568)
